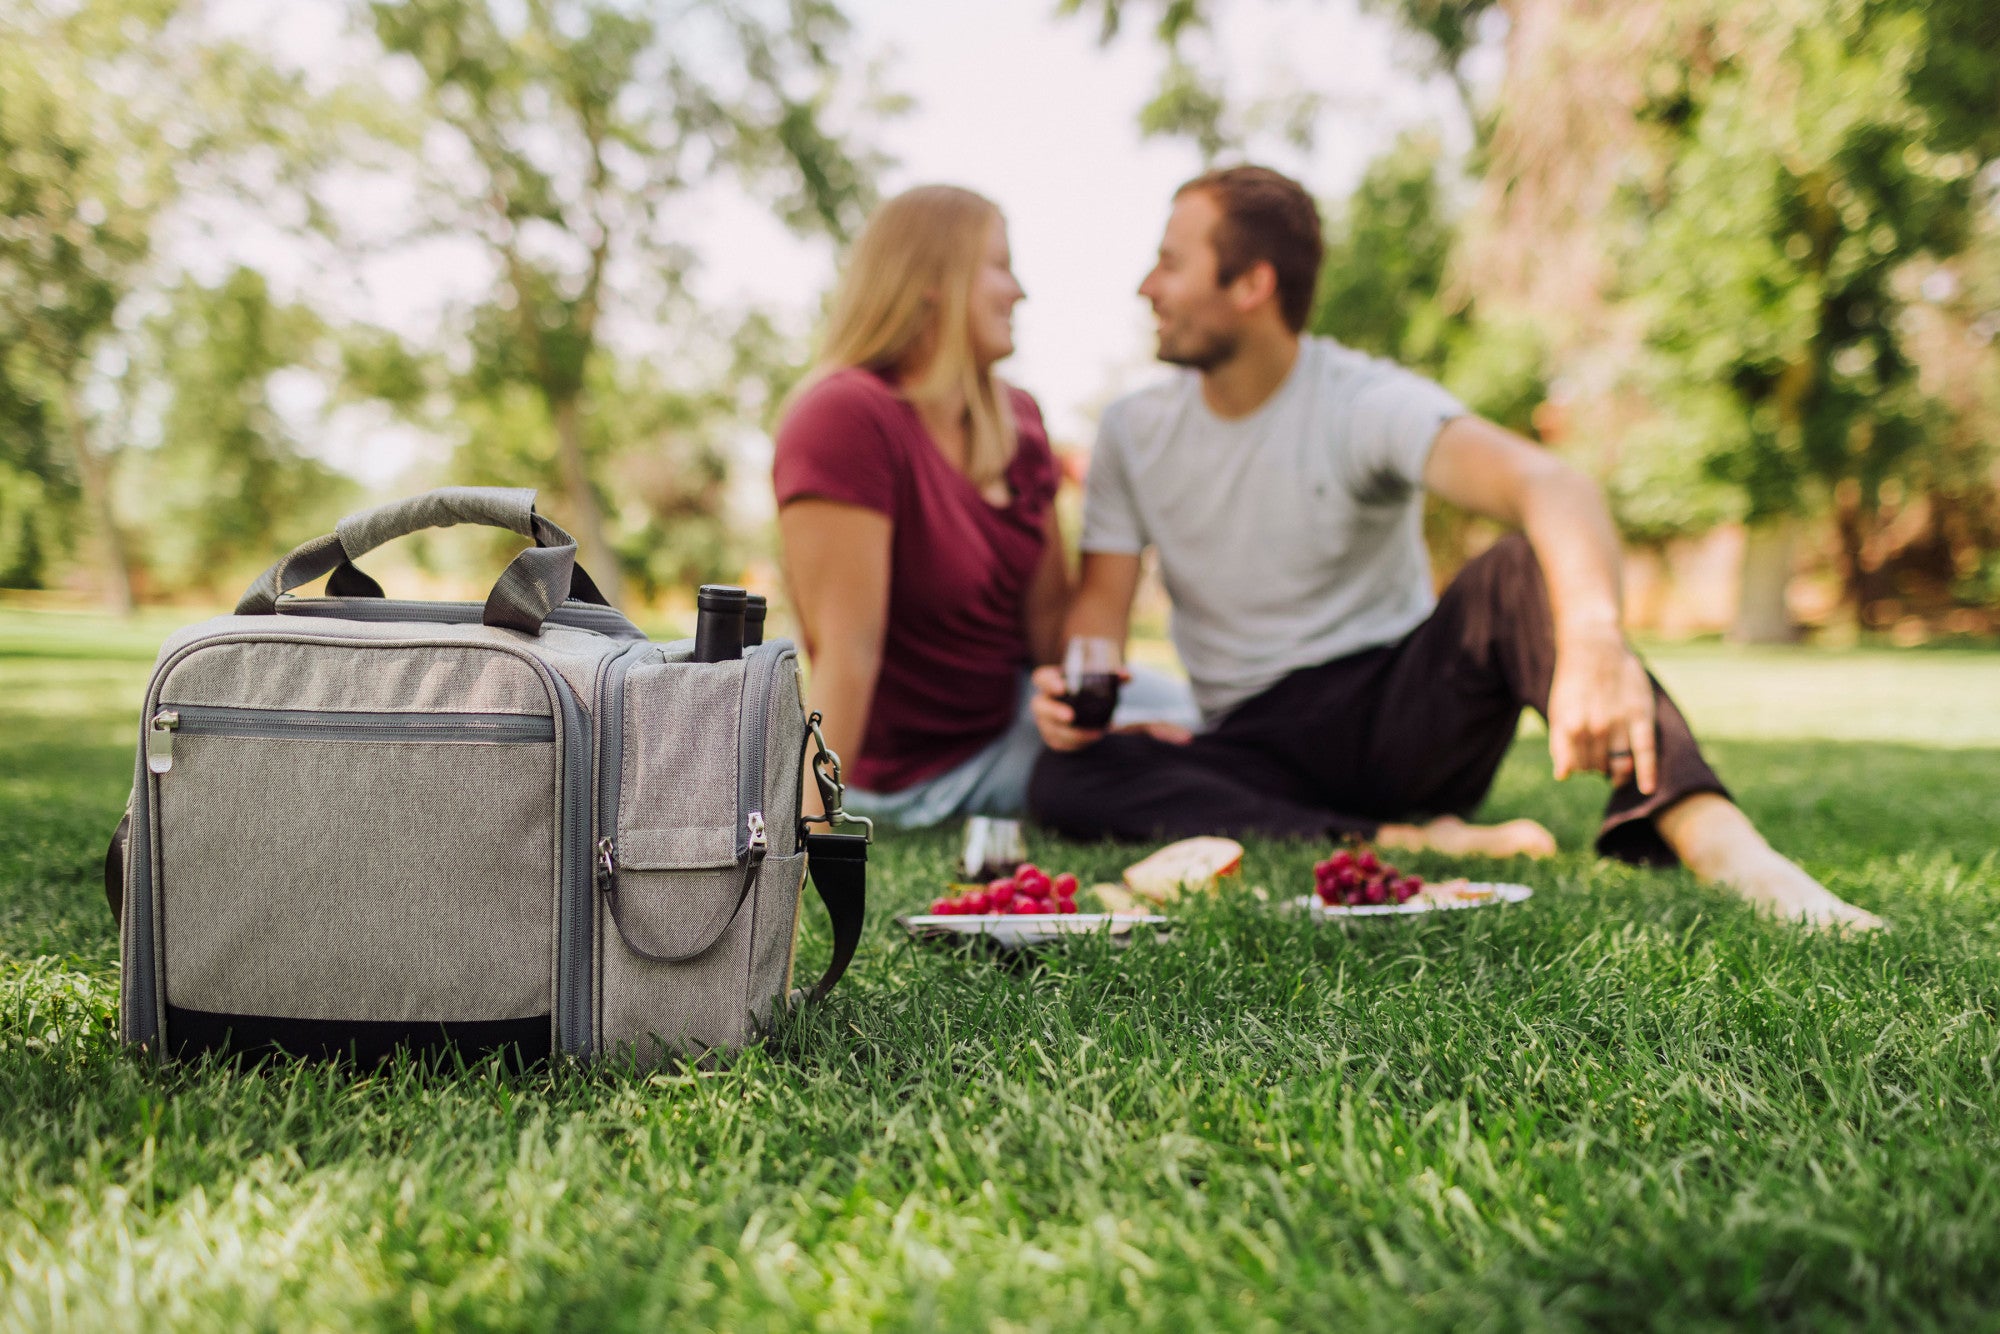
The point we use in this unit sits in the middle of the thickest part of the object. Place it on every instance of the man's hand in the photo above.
(1056, 720)
(1601, 711)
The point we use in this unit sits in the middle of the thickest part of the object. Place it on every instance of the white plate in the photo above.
(1014, 930)
(1501, 894)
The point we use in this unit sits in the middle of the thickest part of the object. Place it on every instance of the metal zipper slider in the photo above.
(160, 740)
(755, 820)
(607, 862)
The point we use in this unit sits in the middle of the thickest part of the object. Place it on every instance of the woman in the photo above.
(916, 513)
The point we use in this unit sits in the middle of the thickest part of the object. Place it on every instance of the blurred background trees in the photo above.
(1743, 262)
(1724, 254)
(159, 421)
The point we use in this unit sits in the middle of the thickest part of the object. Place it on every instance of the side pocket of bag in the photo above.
(674, 887)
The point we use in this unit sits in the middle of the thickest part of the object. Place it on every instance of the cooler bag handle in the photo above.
(532, 586)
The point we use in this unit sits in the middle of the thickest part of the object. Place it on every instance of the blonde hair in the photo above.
(909, 277)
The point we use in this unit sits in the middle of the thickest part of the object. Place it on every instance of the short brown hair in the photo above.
(1266, 217)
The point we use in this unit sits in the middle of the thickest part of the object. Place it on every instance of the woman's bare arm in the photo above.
(1048, 596)
(836, 559)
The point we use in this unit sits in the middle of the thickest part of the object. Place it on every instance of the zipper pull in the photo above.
(755, 821)
(160, 740)
(607, 863)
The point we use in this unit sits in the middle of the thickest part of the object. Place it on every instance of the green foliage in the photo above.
(81, 187)
(1385, 289)
(1800, 179)
(578, 126)
(227, 482)
(662, 452)
(37, 493)
(113, 113)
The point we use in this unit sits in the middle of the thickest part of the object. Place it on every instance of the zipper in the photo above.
(760, 669)
(573, 896)
(293, 724)
(160, 740)
(575, 615)
(611, 758)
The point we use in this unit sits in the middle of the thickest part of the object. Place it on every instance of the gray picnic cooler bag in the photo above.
(361, 824)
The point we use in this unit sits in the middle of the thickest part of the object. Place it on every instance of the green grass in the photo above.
(1626, 1103)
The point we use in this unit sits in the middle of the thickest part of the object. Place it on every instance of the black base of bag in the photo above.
(195, 1033)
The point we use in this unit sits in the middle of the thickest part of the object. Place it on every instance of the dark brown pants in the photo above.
(1399, 733)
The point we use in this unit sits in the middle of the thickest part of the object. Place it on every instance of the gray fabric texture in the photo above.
(358, 880)
(534, 584)
(346, 679)
(775, 932)
(677, 794)
(497, 507)
(301, 565)
(653, 1011)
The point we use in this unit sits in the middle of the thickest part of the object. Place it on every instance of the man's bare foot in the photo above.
(1454, 837)
(1720, 845)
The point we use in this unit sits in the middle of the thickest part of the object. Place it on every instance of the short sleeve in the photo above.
(835, 445)
(1033, 473)
(1396, 418)
(1111, 521)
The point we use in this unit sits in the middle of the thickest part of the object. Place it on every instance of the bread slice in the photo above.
(1191, 865)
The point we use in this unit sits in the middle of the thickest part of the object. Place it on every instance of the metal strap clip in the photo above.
(826, 773)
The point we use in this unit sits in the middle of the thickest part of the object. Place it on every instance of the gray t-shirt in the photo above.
(1287, 538)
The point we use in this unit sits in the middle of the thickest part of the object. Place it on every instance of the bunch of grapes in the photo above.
(1029, 890)
(1360, 878)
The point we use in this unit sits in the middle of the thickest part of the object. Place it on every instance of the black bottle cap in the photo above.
(753, 620)
(720, 597)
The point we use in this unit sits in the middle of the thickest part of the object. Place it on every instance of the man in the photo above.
(1280, 481)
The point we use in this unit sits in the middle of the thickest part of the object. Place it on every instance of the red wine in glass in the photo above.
(1091, 674)
(1093, 696)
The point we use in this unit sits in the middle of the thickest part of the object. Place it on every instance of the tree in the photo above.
(81, 186)
(1799, 180)
(563, 132)
(225, 478)
(113, 115)
(1719, 219)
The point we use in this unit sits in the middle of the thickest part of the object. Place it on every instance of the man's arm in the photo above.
(837, 562)
(1601, 703)
(1103, 608)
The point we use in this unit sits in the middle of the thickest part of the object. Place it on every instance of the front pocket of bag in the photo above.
(375, 869)
(655, 1009)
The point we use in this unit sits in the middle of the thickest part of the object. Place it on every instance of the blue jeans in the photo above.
(995, 781)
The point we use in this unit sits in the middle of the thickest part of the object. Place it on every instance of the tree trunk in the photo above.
(114, 566)
(1761, 614)
(593, 551)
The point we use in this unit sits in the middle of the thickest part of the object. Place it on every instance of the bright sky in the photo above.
(1009, 100)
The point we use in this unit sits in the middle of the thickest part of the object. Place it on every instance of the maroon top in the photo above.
(959, 568)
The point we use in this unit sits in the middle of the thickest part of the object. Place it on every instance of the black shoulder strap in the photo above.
(838, 864)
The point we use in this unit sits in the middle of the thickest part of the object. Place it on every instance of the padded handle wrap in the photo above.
(535, 584)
